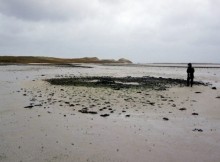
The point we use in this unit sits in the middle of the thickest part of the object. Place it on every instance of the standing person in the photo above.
(190, 74)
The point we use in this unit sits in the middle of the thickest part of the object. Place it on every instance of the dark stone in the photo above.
(195, 114)
(104, 115)
(182, 109)
(92, 112)
(85, 111)
(166, 119)
(198, 92)
(29, 107)
(152, 103)
(214, 88)
(127, 115)
(38, 105)
(199, 130)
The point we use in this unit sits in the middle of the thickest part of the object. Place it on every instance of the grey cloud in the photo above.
(51, 10)
(143, 31)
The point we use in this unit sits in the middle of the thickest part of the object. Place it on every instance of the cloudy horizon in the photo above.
(142, 31)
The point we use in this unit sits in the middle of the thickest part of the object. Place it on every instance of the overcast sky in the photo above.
(140, 30)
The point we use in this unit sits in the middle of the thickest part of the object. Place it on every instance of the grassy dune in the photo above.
(33, 59)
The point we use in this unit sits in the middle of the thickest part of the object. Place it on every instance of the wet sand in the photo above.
(44, 122)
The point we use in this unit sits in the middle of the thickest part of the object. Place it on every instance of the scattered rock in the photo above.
(214, 88)
(127, 116)
(166, 119)
(85, 111)
(152, 103)
(104, 115)
(182, 109)
(92, 112)
(199, 130)
(121, 82)
(198, 92)
(29, 107)
(38, 105)
(195, 114)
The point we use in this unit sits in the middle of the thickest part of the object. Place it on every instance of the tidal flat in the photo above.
(108, 113)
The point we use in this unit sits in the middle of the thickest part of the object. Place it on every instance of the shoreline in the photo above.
(159, 65)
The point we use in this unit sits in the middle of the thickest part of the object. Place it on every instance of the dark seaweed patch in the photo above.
(121, 82)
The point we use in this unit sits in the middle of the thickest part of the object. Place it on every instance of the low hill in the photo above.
(53, 60)
(123, 60)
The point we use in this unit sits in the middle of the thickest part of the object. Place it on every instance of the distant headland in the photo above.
(53, 60)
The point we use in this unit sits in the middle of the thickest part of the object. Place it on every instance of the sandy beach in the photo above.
(42, 122)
